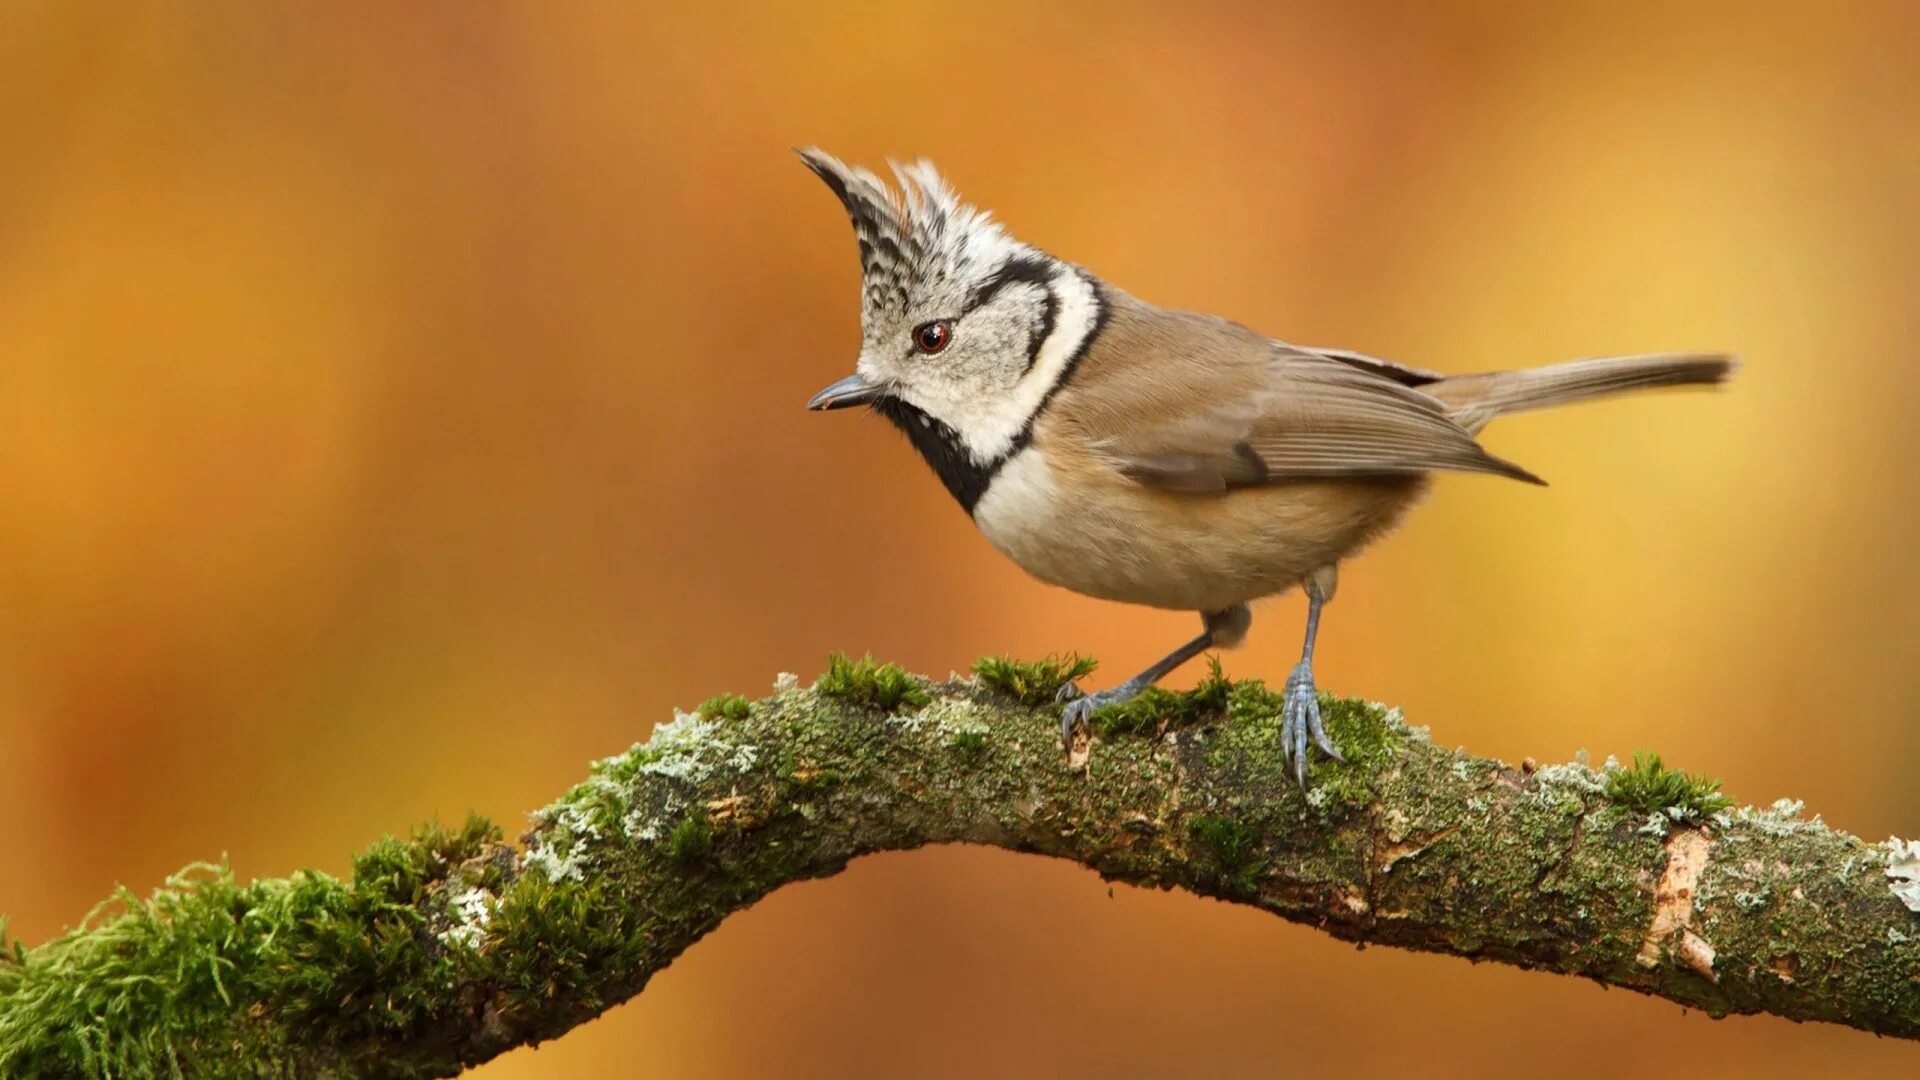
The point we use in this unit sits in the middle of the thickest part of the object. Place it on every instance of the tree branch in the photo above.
(449, 948)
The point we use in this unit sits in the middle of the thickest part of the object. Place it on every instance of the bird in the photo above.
(1153, 456)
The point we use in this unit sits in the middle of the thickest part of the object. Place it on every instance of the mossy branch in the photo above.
(451, 947)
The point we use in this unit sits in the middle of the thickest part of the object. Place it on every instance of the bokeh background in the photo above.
(400, 406)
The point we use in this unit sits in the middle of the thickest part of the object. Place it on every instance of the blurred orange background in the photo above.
(400, 405)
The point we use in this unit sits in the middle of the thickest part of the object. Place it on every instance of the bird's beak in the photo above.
(852, 390)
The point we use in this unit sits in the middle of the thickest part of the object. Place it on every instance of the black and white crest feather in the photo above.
(913, 240)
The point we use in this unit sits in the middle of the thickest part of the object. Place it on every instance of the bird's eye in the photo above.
(931, 337)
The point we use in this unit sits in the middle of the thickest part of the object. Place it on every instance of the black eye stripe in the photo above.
(1020, 270)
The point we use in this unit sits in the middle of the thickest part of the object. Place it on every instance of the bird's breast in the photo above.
(1071, 521)
(1020, 511)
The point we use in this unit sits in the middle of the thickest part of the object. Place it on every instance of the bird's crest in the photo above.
(913, 240)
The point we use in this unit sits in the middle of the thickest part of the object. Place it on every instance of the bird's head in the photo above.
(964, 330)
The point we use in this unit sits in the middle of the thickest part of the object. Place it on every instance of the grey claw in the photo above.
(1326, 744)
(1068, 691)
(1300, 721)
(1078, 713)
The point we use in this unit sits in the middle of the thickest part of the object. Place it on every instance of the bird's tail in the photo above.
(1476, 399)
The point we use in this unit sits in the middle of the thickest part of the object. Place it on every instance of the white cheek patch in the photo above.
(988, 425)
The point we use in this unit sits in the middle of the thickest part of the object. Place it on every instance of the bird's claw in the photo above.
(1080, 707)
(1300, 720)
(1078, 713)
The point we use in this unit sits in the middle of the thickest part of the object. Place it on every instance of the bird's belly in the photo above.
(1102, 535)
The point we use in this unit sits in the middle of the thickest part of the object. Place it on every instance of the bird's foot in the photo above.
(1080, 707)
(1300, 720)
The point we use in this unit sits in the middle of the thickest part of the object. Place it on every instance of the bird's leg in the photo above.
(1225, 628)
(1079, 710)
(1300, 712)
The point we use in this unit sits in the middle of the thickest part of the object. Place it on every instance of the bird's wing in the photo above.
(1267, 413)
(1386, 369)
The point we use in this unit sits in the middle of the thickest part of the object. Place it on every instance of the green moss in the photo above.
(873, 685)
(336, 959)
(726, 707)
(397, 872)
(1033, 683)
(132, 972)
(562, 941)
(1156, 710)
(691, 840)
(152, 988)
(1213, 696)
(1232, 848)
(1370, 738)
(969, 744)
(1648, 786)
(1366, 734)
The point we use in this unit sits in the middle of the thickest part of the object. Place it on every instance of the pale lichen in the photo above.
(567, 831)
(686, 749)
(472, 910)
(1574, 776)
(1903, 871)
(912, 721)
(1393, 718)
(949, 716)
(690, 750)
(1779, 820)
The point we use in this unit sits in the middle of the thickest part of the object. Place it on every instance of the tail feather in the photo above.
(1476, 399)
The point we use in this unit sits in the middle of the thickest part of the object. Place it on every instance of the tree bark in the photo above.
(446, 949)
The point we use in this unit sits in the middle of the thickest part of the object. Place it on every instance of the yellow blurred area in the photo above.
(400, 407)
